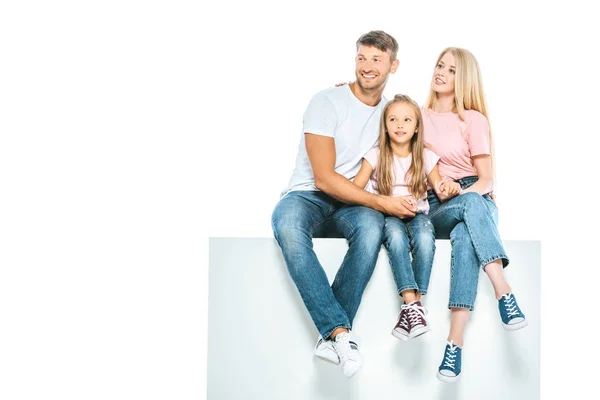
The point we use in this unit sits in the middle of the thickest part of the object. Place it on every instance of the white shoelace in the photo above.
(450, 358)
(404, 319)
(342, 346)
(511, 306)
(413, 312)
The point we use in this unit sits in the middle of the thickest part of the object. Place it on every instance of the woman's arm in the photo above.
(485, 183)
(363, 175)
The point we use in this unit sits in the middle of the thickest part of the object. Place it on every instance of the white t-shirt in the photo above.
(337, 113)
(401, 165)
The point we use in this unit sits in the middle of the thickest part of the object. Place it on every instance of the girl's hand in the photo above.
(412, 203)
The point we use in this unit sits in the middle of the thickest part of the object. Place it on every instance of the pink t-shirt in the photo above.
(456, 141)
(401, 165)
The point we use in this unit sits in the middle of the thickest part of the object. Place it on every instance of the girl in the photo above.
(400, 166)
(456, 128)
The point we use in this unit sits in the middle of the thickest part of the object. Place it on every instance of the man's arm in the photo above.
(321, 153)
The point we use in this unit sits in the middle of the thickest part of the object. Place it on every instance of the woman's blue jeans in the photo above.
(402, 238)
(302, 215)
(470, 221)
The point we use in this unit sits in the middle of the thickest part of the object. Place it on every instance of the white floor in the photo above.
(260, 336)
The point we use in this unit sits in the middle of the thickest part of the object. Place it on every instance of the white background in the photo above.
(131, 131)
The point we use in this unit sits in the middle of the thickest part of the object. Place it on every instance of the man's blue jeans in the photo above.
(402, 238)
(302, 215)
(470, 221)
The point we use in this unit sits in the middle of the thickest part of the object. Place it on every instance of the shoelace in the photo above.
(404, 319)
(511, 306)
(342, 346)
(450, 357)
(415, 312)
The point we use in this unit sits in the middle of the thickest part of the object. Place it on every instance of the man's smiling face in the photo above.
(373, 67)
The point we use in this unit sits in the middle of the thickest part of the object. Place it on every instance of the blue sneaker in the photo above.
(450, 367)
(512, 317)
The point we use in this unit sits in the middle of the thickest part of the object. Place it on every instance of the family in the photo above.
(390, 172)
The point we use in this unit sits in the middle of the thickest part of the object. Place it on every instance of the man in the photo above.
(340, 125)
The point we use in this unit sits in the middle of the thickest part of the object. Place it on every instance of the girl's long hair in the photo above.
(468, 88)
(415, 176)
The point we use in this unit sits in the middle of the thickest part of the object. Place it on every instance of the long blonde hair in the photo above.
(468, 88)
(415, 176)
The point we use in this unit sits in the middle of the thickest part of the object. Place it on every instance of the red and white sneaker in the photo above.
(417, 323)
(401, 330)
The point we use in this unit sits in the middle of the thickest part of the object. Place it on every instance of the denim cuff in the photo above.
(460, 305)
(488, 260)
(422, 292)
(407, 287)
(328, 333)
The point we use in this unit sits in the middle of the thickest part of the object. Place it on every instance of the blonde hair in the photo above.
(415, 176)
(468, 88)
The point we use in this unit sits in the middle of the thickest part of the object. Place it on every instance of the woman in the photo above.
(456, 128)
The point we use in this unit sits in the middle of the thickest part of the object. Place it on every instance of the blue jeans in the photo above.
(302, 215)
(470, 221)
(402, 238)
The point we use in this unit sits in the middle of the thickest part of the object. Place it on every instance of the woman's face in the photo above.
(443, 75)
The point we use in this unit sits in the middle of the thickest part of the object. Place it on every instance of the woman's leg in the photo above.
(471, 208)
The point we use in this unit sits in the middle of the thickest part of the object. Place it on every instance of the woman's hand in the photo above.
(342, 84)
(448, 190)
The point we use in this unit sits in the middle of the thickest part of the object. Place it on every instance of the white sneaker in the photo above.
(346, 347)
(325, 351)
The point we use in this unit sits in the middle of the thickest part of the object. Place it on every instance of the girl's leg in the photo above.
(422, 246)
(397, 243)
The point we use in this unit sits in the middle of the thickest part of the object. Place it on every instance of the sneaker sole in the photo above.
(400, 336)
(515, 327)
(448, 379)
(329, 360)
(419, 332)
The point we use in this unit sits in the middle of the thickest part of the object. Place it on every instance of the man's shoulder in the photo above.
(333, 94)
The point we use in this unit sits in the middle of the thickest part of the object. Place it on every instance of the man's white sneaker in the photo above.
(346, 347)
(325, 351)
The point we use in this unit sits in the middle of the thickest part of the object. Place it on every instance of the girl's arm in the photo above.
(485, 183)
(363, 175)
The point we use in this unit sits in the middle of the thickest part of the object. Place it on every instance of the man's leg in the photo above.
(363, 228)
(293, 221)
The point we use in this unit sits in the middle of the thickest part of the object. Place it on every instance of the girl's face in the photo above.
(443, 75)
(401, 123)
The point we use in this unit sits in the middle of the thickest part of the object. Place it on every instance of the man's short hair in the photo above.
(381, 40)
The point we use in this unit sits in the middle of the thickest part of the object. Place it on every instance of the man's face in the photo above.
(373, 67)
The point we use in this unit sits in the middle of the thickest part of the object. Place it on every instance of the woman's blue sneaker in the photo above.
(512, 317)
(450, 367)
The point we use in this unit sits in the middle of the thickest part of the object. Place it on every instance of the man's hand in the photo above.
(401, 207)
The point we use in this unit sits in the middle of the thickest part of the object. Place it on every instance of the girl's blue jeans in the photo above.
(470, 222)
(402, 238)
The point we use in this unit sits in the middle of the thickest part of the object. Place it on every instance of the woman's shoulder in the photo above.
(475, 116)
